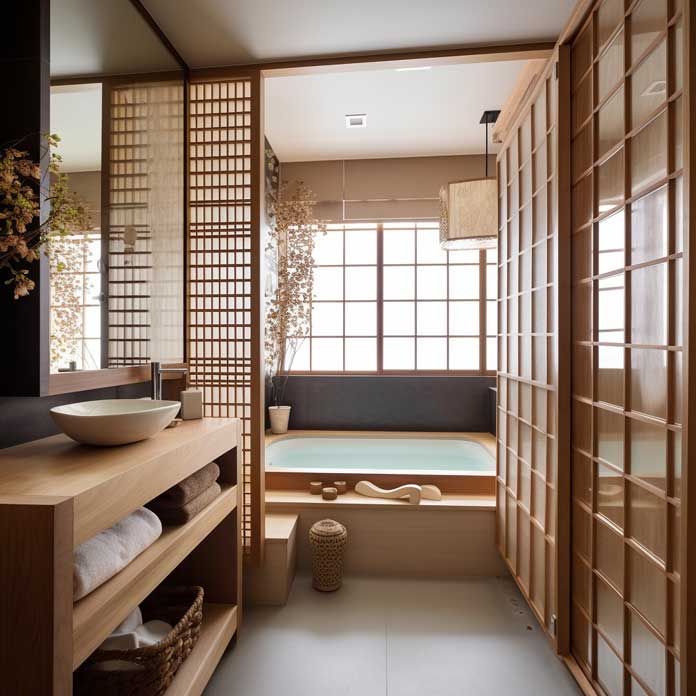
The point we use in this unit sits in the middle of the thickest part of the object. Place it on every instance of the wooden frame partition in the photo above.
(225, 274)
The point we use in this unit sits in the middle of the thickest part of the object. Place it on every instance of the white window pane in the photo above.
(92, 322)
(398, 354)
(464, 282)
(328, 248)
(491, 353)
(92, 288)
(328, 283)
(464, 256)
(297, 355)
(464, 318)
(492, 256)
(429, 249)
(361, 354)
(432, 282)
(399, 283)
(399, 246)
(491, 282)
(92, 354)
(361, 246)
(327, 354)
(361, 283)
(432, 354)
(464, 354)
(327, 319)
(432, 319)
(491, 318)
(399, 318)
(361, 319)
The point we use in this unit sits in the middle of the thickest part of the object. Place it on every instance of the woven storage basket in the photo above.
(327, 539)
(182, 607)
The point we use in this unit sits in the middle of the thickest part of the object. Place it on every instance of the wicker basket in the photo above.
(327, 539)
(182, 607)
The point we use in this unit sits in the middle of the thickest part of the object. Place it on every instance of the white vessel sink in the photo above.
(114, 421)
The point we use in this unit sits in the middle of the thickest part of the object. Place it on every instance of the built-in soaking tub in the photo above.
(461, 463)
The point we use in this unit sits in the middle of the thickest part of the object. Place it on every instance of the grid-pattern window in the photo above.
(75, 308)
(387, 298)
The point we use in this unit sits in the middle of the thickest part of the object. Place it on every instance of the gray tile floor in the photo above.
(394, 637)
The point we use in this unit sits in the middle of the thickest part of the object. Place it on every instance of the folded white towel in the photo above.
(143, 635)
(104, 555)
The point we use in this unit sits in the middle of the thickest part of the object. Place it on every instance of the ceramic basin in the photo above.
(114, 421)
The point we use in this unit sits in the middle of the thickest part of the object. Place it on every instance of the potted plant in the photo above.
(289, 255)
(21, 195)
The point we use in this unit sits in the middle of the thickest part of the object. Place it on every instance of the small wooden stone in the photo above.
(340, 486)
(315, 487)
(329, 493)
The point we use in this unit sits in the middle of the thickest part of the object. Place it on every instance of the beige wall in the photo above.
(405, 187)
(87, 185)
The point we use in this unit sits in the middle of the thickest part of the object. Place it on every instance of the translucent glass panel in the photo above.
(527, 306)
(626, 323)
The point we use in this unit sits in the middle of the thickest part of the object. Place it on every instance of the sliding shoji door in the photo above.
(530, 429)
(225, 319)
(142, 219)
(627, 306)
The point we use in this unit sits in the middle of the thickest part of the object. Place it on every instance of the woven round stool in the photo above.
(327, 539)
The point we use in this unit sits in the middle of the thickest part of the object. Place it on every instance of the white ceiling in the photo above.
(76, 118)
(409, 114)
(228, 32)
(103, 37)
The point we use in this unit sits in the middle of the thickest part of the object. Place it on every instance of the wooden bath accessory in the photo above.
(315, 487)
(329, 493)
(340, 486)
(327, 539)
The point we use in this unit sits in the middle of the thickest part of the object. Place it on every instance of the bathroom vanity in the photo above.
(55, 494)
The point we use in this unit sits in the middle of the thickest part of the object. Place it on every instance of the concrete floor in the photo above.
(379, 636)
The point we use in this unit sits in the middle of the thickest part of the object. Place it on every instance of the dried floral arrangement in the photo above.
(289, 252)
(21, 194)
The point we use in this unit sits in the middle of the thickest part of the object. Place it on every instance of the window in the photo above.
(389, 299)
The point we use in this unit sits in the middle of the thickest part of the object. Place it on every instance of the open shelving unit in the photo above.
(55, 494)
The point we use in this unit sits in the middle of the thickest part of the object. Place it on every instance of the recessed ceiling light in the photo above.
(356, 120)
(414, 68)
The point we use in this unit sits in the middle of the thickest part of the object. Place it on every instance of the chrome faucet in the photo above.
(156, 372)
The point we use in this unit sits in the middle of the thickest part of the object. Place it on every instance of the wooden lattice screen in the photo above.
(628, 366)
(142, 186)
(224, 318)
(530, 430)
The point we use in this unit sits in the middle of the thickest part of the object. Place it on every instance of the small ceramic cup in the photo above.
(329, 493)
(315, 487)
(340, 487)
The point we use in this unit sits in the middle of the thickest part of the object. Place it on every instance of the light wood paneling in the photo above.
(627, 303)
(528, 412)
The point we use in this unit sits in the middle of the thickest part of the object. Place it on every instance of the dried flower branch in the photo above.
(21, 194)
(290, 251)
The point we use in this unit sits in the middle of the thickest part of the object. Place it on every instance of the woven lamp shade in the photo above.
(469, 214)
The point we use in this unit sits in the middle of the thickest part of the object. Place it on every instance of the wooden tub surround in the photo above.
(55, 494)
(469, 483)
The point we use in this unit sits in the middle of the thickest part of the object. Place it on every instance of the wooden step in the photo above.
(270, 583)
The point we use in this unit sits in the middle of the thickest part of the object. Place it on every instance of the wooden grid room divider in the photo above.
(531, 429)
(224, 285)
(627, 307)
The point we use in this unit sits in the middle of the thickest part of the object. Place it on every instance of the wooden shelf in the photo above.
(219, 625)
(95, 616)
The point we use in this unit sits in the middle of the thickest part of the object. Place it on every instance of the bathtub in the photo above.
(455, 462)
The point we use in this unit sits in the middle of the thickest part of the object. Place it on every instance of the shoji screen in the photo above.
(627, 300)
(224, 319)
(528, 441)
(143, 221)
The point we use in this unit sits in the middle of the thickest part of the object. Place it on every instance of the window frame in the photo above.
(379, 265)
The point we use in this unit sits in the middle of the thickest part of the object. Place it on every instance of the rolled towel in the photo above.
(141, 636)
(104, 555)
(190, 487)
(184, 513)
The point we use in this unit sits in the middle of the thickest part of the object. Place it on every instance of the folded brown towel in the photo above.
(190, 487)
(184, 513)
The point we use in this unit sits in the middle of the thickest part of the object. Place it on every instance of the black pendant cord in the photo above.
(486, 149)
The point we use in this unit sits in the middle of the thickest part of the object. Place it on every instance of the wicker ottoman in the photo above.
(327, 539)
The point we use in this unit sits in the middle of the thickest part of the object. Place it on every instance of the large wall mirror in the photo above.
(117, 104)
